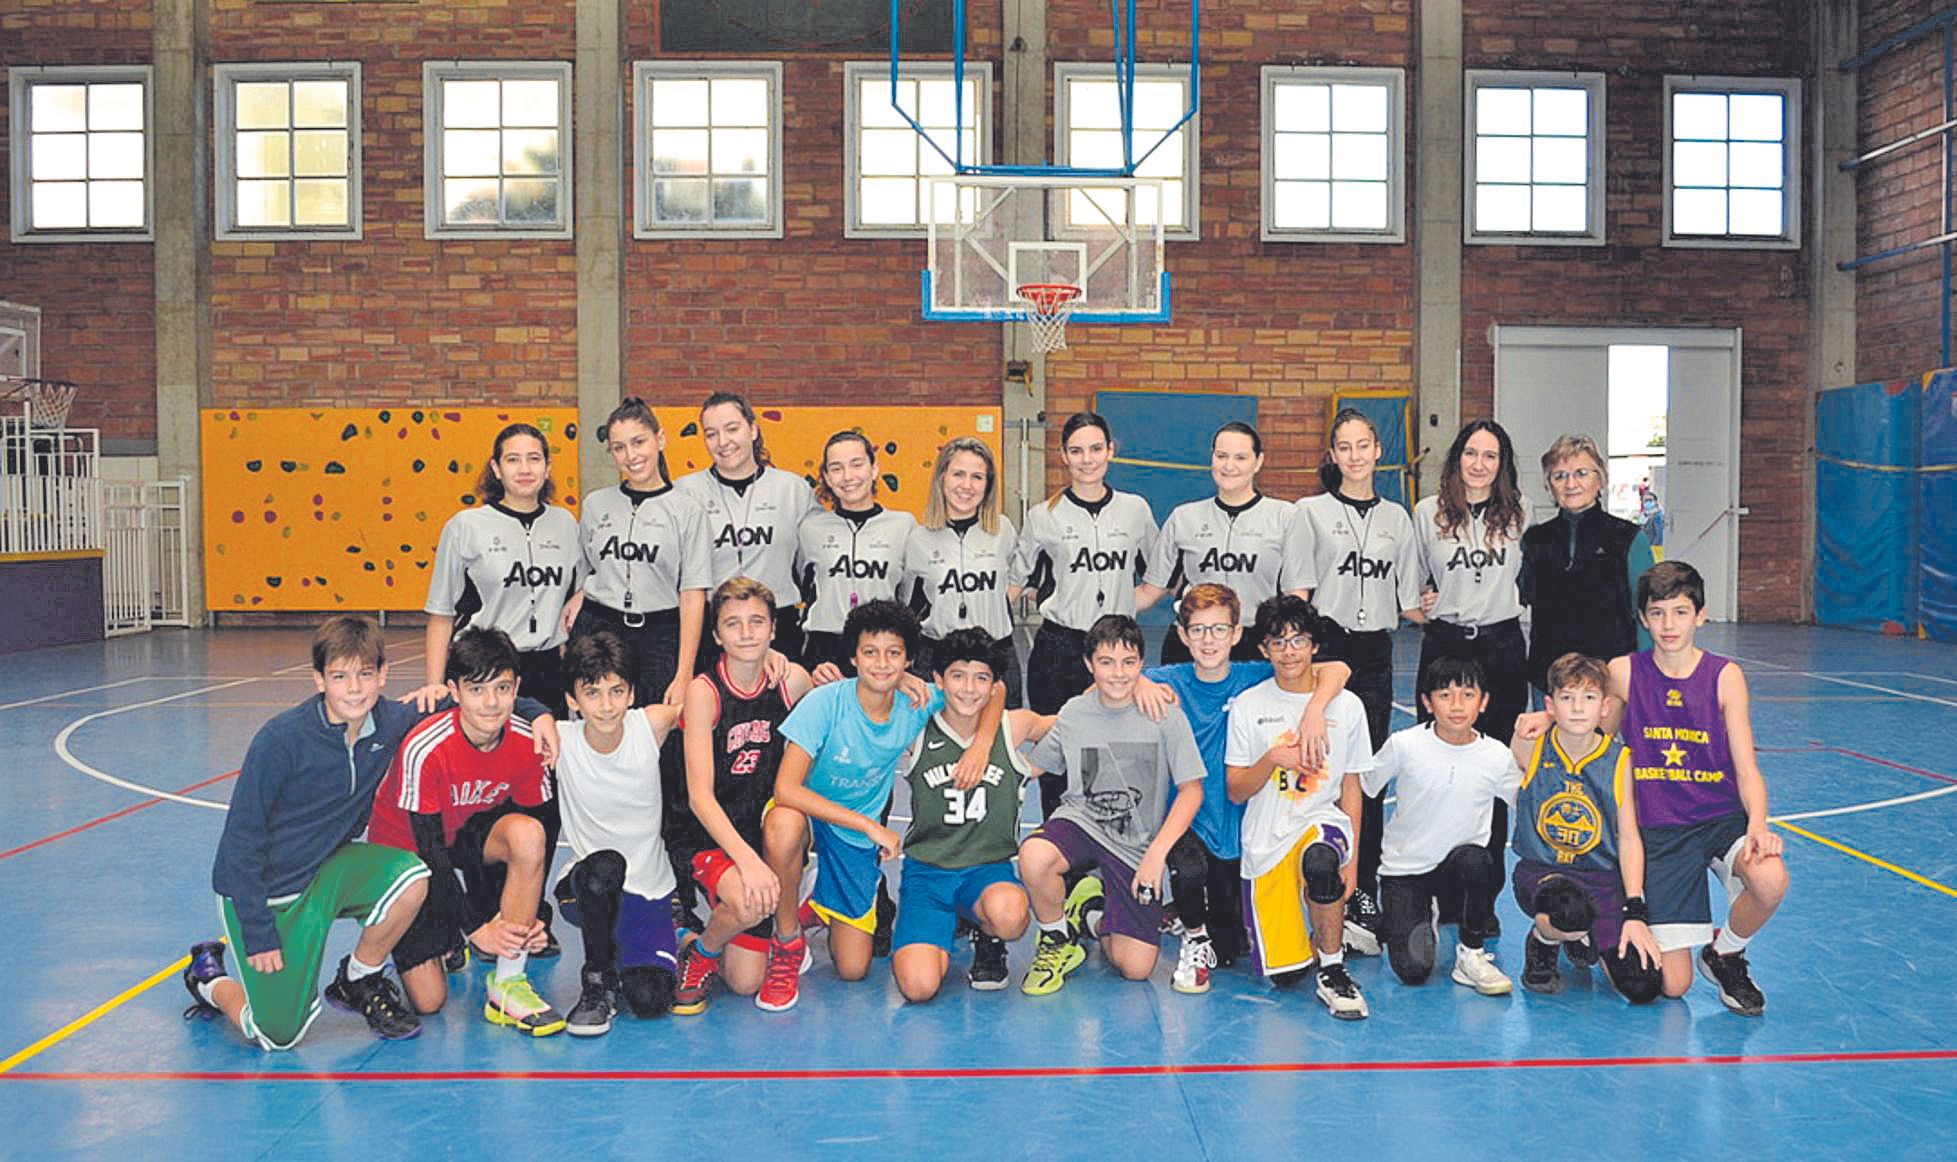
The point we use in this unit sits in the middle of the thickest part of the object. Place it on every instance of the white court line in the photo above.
(1789, 670)
(68, 756)
(66, 693)
(1858, 808)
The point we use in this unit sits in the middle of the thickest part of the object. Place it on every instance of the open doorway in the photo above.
(1638, 394)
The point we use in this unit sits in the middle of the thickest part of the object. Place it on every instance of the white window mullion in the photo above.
(1535, 158)
(707, 156)
(288, 151)
(497, 149)
(82, 152)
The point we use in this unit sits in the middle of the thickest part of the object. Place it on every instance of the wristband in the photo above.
(1636, 909)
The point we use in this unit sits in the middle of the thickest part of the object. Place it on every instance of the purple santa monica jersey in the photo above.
(1681, 765)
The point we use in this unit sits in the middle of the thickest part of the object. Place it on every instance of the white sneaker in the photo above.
(1193, 966)
(1475, 968)
(1341, 993)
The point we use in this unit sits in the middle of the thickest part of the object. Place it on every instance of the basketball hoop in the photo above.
(1047, 306)
(48, 400)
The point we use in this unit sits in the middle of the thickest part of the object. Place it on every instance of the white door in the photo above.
(1555, 380)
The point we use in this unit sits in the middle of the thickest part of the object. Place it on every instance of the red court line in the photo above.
(129, 810)
(942, 1073)
(1856, 754)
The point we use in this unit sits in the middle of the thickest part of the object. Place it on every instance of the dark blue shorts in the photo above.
(1676, 860)
(930, 899)
(645, 930)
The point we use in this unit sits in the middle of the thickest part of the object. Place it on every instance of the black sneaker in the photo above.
(375, 998)
(886, 922)
(1735, 984)
(597, 1005)
(1539, 973)
(1341, 993)
(1362, 924)
(457, 959)
(988, 972)
(206, 965)
(1582, 953)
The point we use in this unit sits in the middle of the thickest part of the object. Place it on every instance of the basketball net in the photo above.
(1047, 306)
(48, 400)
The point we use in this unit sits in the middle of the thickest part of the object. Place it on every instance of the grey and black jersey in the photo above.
(752, 524)
(509, 571)
(1361, 561)
(1084, 559)
(843, 561)
(960, 573)
(642, 548)
(1474, 570)
(1208, 541)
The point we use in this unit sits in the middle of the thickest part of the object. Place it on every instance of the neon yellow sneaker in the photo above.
(1057, 956)
(1087, 900)
(513, 1002)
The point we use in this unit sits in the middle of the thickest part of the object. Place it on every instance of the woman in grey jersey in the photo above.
(1470, 535)
(1082, 551)
(509, 563)
(753, 511)
(1355, 557)
(646, 559)
(850, 554)
(1235, 538)
(956, 561)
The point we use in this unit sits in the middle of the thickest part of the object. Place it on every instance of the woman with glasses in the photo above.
(1580, 567)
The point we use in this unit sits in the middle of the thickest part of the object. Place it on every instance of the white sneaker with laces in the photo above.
(1193, 965)
(1475, 968)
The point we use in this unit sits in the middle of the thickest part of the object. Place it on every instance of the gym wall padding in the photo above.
(1865, 489)
(1162, 441)
(341, 508)
(1392, 413)
(1937, 498)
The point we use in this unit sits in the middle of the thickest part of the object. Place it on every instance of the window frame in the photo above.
(853, 74)
(1475, 80)
(433, 73)
(1395, 81)
(224, 132)
(1192, 153)
(644, 73)
(20, 81)
(1789, 89)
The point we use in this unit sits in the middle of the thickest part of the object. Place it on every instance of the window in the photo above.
(708, 162)
(1535, 158)
(81, 153)
(1334, 154)
(288, 152)
(1087, 120)
(1733, 166)
(889, 164)
(498, 149)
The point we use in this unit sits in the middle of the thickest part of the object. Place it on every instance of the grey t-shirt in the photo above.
(752, 526)
(1203, 541)
(508, 571)
(641, 549)
(1362, 568)
(843, 563)
(1474, 570)
(962, 576)
(1090, 553)
(1120, 769)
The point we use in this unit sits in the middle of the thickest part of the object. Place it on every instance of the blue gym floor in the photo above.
(122, 754)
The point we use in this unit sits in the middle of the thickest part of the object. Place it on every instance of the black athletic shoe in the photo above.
(1735, 984)
(375, 998)
(597, 1005)
(988, 972)
(206, 965)
(886, 922)
(1539, 971)
(1582, 953)
(1362, 923)
(457, 959)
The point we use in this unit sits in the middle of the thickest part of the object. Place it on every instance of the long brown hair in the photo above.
(489, 486)
(936, 513)
(823, 493)
(1504, 495)
(1329, 476)
(637, 411)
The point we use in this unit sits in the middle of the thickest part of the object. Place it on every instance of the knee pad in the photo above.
(648, 990)
(602, 873)
(1568, 906)
(1323, 883)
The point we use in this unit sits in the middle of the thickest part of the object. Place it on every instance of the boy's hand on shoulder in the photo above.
(826, 673)
(971, 767)
(916, 689)
(1532, 725)
(543, 738)
(1314, 738)
(1154, 698)
(676, 691)
(774, 667)
(426, 698)
(266, 963)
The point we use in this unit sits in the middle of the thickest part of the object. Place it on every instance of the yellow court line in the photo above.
(93, 1015)
(1884, 864)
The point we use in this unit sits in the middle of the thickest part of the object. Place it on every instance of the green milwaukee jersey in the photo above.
(951, 828)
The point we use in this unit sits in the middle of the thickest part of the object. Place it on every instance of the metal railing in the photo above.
(50, 487)
(145, 569)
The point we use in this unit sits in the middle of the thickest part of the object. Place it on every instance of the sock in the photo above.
(509, 966)
(709, 953)
(207, 989)
(1091, 922)
(1057, 928)
(791, 938)
(1200, 932)
(358, 971)
(1726, 942)
(1328, 959)
(1538, 938)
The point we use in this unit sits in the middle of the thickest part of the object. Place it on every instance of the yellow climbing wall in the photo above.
(341, 508)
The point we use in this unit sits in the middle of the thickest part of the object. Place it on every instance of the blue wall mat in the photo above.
(1937, 490)
(1865, 564)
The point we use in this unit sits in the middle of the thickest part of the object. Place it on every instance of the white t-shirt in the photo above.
(613, 801)
(1292, 801)
(1446, 796)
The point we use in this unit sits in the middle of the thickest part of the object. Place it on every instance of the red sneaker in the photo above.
(783, 983)
(697, 974)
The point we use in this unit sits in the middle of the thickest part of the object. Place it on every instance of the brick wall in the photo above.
(1634, 280)
(97, 300)
(1898, 324)
(394, 317)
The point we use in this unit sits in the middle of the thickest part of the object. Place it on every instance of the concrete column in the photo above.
(1024, 395)
(602, 215)
(180, 41)
(1437, 236)
(1834, 134)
